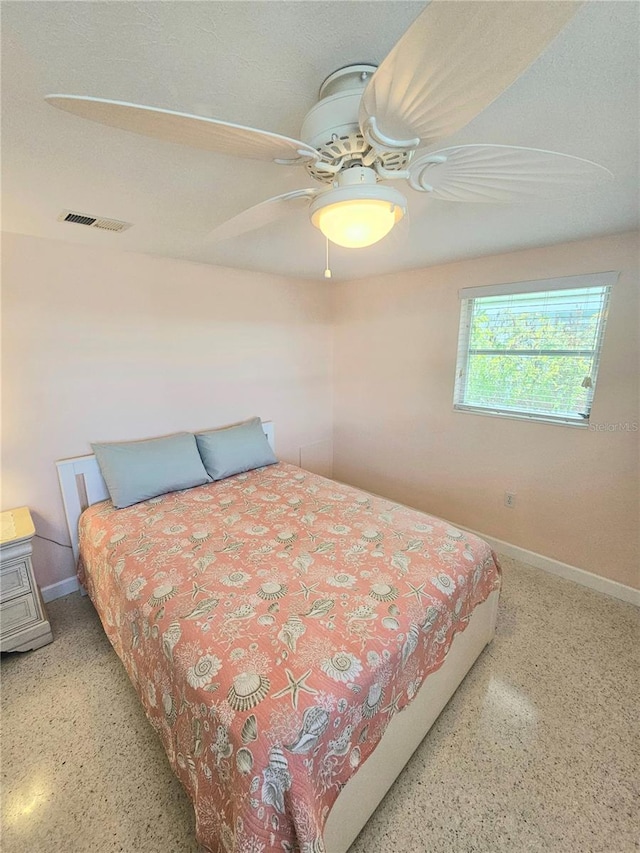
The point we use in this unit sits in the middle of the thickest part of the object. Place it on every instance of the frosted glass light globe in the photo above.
(358, 211)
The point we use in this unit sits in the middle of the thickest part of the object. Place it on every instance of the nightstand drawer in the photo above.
(18, 612)
(14, 580)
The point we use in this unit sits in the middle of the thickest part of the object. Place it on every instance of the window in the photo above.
(531, 349)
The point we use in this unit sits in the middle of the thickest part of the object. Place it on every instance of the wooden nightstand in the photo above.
(23, 619)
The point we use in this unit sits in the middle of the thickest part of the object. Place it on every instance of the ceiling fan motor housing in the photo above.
(332, 127)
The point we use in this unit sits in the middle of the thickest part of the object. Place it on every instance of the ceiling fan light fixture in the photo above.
(358, 212)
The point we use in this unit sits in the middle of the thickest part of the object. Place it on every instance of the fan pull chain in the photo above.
(327, 268)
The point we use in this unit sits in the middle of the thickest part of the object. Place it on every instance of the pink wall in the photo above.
(102, 345)
(395, 431)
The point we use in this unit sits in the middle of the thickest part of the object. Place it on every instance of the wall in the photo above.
(396, 433)
(101, 345)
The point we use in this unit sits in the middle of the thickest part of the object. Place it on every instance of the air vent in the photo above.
(94, 221)
(81, 220)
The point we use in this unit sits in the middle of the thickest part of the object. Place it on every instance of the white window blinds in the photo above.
(531, 349)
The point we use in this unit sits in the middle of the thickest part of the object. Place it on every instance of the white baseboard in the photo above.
(563, 570)
(539, 561)
(57, 590)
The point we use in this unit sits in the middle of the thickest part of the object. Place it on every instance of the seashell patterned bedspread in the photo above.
(272, 624)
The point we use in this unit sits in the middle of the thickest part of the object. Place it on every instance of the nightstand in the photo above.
(23, 619)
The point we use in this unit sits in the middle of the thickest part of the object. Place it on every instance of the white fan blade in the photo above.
(263, 214)
(451, 63)
(503, 173)
(210, 134)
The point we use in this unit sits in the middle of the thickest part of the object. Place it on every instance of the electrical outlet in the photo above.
(510, 499)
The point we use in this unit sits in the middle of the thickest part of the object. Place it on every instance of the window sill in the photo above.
(522, 416)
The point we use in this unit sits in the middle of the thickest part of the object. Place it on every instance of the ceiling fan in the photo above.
(369, 122)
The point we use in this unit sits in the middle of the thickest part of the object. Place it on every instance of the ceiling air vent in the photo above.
(94, 221)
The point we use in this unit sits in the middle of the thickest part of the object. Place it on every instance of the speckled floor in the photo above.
(538, 750)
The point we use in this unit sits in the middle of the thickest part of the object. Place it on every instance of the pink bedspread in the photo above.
(272, 624)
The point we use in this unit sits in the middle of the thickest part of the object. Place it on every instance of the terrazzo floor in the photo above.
(538, 750)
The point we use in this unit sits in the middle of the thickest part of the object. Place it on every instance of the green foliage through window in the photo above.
(532, 353)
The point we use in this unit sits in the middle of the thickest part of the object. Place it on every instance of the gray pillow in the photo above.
(235, 449)
(137, 470)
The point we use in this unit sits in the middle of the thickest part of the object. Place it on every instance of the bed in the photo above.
(291, 639)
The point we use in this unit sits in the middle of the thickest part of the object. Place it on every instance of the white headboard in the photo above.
(82, 485)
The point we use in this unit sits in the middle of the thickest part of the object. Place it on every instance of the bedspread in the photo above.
(272, 624)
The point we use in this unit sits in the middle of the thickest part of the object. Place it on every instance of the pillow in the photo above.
(235, 449)
(137, 470)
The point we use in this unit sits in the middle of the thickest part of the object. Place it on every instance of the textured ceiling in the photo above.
(261, 64)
